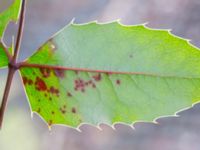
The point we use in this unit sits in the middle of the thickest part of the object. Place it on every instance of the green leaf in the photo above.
(108, 73)
(3, 56)
(9, 14)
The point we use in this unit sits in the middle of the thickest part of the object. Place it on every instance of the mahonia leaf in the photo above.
(3, 56)
(109, 73)
(10, 14)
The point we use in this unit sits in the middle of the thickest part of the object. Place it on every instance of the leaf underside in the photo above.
(108, 73)
(10, 14)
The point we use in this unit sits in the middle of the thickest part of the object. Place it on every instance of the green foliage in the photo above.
(9, 14)
(3, 57)
(109, 73)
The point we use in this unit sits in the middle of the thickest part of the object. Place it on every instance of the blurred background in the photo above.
(43, 19)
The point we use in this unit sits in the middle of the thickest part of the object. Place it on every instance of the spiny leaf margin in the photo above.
(187, 41)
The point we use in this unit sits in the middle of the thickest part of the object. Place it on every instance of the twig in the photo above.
(13, 66)
(20, 31)
(6, 93)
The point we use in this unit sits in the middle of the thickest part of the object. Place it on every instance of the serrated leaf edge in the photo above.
(154, 121)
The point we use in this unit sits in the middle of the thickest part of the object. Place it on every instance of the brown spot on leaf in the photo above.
(109, 73)
(63, 110)
(50, 122)
(69, 94)
(39, 110)
(73, 110)
(40, 84)
(76, 72)
(45, 72)
(79, 85)
(30, 82)
(90, 82)
(97, 77)
(118, 82)
(53, 90)
(94, 86)
(59, 73)
(25, 80)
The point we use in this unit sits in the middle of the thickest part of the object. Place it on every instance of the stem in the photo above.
(20, 31)
(6, 93)
(13, 66)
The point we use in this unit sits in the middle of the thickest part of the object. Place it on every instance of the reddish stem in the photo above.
(13, 66)
(20, 31)
(6, 93)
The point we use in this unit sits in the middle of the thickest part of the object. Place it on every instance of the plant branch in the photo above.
(13, 66)
(6, 93)
(20, 31)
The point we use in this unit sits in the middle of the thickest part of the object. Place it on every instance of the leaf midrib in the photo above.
(30, 65)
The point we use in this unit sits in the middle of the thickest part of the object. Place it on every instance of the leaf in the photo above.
(108, 73)
(9, 14)
(3, 57)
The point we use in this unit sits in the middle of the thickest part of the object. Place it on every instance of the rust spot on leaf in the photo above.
(50, 122)
(118, 82)
(63, 109)
(76, 72)
(45, 95)
(131, 56)
(94, 86)
(25, 80)
(90, 82)
(74, 110)
(97, 77)
(53, 90)
(79, 85)
(59, 73)
(40, 84)
(45, 72)
(39, 110)
(109, 73)
(30, 82)
(69, 94)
